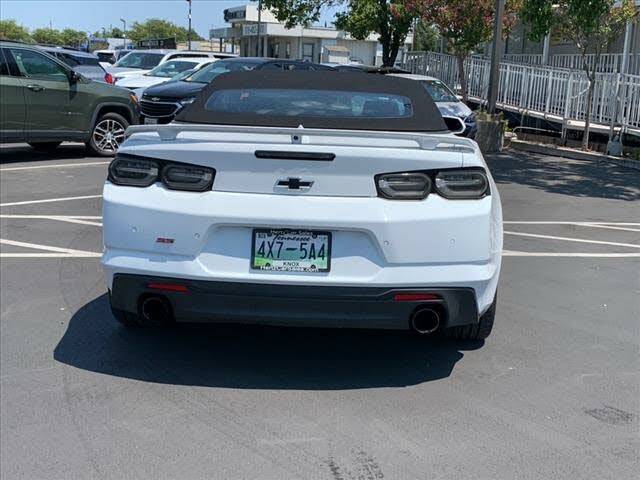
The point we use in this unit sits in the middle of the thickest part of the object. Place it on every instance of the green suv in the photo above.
(44, 102)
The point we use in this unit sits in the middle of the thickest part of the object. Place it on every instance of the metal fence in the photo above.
(608, 63)
(558, 94)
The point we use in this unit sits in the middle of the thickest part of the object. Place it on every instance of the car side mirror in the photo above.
(454, 124)
(74, 77)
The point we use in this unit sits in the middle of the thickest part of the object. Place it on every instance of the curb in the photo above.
(564, 152)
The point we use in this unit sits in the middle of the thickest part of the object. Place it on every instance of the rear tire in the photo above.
(474, 331)
(44, 146)
(107, 135)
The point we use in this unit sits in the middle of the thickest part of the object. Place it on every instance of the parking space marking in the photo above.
(47, 248)
(567, 239)
(48, 200)
(60, 165)
(624, 226)
(60, 218)
(515, 253)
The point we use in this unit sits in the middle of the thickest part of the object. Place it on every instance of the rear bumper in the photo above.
(293, 305)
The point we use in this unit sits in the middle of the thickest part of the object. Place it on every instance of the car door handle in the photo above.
(35, 87)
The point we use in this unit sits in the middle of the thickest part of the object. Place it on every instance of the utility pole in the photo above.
(124, 32)
(498, 47)
(189, 34)
(259, 24)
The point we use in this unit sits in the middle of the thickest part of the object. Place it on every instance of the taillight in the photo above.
(462, 184)
(187, 177)
(454, 183)
(108, 78)
(404, 186)
(135, 171)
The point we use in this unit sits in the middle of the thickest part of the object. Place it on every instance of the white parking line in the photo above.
(60, 165)
(567, 239)
(59, 218)
(47, 248)
(555, 222)
(513, 253)
(49, 200)
(607, 225)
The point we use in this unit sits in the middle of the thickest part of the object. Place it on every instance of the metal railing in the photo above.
(608, 62)
(558, 94)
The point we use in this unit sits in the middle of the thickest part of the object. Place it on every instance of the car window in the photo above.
(439, 91)
(309, 103)
(172, 68)
(271, 66)
(4, 65)
(76, 60)
(209, 73)
(35, 65)
(141, 60)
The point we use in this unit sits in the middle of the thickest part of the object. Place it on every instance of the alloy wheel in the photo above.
(108, 135)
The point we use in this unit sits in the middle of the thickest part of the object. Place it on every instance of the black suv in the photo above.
(161, 103)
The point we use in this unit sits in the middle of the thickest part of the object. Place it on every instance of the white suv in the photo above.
(137, 62)
(304, 198)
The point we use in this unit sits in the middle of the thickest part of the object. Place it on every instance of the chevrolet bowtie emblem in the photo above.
(294, 184)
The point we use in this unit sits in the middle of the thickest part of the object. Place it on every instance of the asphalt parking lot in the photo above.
(554, 393)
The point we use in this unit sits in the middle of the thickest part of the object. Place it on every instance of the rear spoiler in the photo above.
(424, 141)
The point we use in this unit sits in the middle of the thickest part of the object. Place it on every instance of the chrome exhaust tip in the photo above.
(424, 320)
(156, 310)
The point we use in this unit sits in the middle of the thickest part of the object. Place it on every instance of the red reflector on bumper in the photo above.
(414, 297)
(169, 287)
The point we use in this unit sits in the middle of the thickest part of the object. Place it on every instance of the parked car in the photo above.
(44, 102)
(137, 62)
(305, 199)
(163, 72)
(446, 101)
(108, 57)
(86, 64)
(161, 103)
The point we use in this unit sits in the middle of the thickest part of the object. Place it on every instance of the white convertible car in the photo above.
(307, 199)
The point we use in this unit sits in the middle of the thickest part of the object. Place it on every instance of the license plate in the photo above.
(283, 250)
(150, 121)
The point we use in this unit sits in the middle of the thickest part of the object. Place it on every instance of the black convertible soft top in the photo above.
(422, 116)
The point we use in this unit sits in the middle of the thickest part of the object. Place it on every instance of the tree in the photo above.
(426, 36)
(465, 24)
(157, 28)
(589, 24)
(113, 32)
(73, 38)
(47, 35)
(11, 30)
(390, 19)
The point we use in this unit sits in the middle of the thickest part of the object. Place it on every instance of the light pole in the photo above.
(124, 32)
(498, 45)
(189, 33)
(259, 23)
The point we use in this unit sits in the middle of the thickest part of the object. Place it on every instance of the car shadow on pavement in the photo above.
(252, 357)
(24, 153)
(577, 178)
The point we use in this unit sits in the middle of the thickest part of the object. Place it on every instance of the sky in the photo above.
(92, 15)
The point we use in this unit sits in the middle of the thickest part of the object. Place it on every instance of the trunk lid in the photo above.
(297, 161)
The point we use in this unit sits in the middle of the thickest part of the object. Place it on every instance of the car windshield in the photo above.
(171, 69)
(309, 103)
(208, 74)
(439, 91)
(140, 60)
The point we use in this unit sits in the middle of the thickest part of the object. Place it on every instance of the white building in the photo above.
(314, 44)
